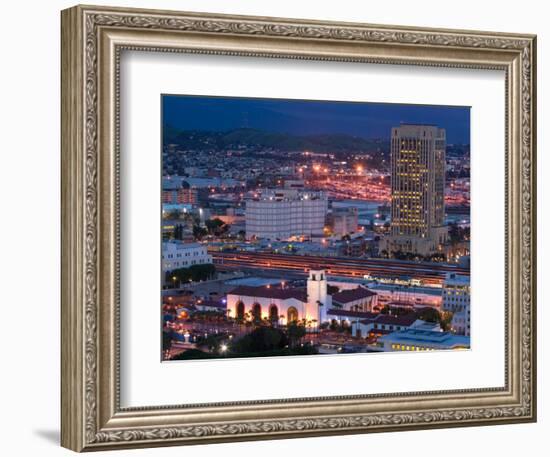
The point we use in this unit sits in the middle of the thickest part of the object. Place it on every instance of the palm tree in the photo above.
(247, 317)
(314, 321)
(295, 333)
(357, 309)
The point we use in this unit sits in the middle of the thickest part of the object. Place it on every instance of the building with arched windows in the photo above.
(282, 305)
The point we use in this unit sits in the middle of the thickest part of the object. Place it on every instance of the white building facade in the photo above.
(283, 214)
(177, 254)
(382, 324)
(282, 305)
(460, 323)
(456, 293)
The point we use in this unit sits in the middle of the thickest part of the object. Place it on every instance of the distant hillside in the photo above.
(252, 138)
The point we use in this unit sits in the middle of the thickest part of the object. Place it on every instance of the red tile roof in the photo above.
(375, 318)
(270, 292)
(347, 296)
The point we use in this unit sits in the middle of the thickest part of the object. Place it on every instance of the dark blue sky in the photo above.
(302, 117)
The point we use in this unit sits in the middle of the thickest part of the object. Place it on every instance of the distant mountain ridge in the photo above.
(248, 137)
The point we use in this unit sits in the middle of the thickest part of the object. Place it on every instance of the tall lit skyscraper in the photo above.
(417, 189)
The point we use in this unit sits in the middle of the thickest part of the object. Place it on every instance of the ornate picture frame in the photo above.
(92, 41)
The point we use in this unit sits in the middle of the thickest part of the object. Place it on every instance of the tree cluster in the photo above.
(200, 272)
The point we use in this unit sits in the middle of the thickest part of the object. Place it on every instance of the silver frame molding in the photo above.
(92, 41)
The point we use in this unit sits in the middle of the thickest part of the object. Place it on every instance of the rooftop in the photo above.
(375, 318)
(288, 195)
(456, 279)
(270, 292)
(177, 244)
(412, 335)
(349, 295)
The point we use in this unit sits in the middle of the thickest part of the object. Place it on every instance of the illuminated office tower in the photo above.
(417, 190)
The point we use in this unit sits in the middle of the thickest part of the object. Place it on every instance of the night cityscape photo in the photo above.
(304, 227)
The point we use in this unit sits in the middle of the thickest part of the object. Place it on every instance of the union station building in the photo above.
(282, 305)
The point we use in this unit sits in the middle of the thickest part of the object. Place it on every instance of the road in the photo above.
(336, 266)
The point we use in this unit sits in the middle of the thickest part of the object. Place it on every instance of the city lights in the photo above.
(312, 240)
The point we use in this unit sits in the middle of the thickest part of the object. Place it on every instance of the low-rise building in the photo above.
(415, 339)
(349, 316)
(175, 190)
(343, 221)
(177, 254)
(282, 305)
(415, 296)
(355, 247)
(368, 325)
(460, 323)
(358, 299)
(456, 292)
(383, 324)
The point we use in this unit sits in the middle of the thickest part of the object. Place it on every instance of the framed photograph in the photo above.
(278, 228)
